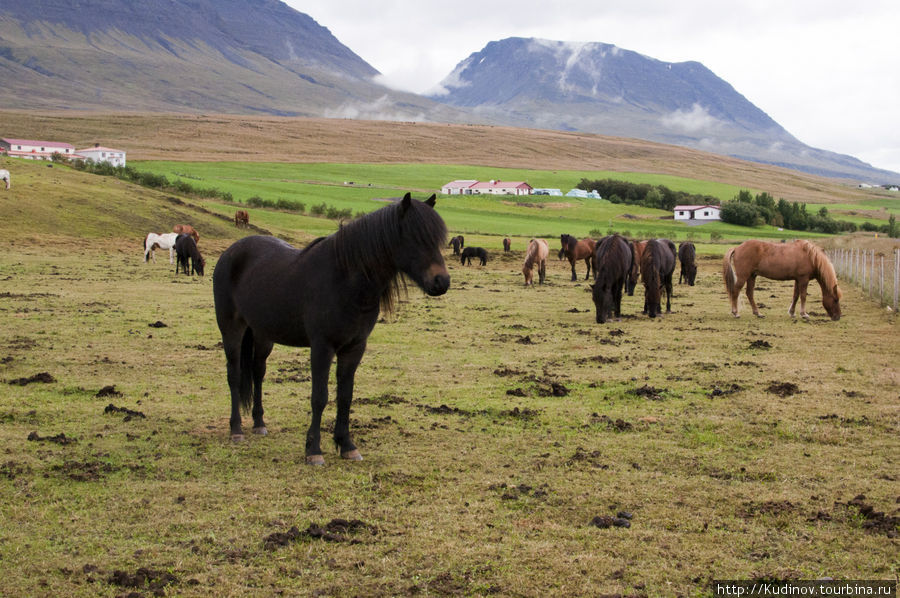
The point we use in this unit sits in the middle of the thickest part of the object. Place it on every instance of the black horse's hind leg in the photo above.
(574, 276)
(588, 262)
(347, 362)
(261, 352)
(233, 341)
(320, 358)
(669, 294)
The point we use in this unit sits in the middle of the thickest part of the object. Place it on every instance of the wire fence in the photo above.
(876, 274)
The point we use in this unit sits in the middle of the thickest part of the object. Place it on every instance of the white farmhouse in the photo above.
(502, 188)
(98, 154)
(31, 149)
(458, 188)
(707, 212)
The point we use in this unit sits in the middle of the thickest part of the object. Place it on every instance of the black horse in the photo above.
(457, 242)
(326, 297)
(469, 252)
(612, 265)
(186, 249)
(687, 255)
(657, 267)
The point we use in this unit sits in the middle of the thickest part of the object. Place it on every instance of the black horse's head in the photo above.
(418, 254)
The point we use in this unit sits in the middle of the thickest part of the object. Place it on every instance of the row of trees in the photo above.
(644, 194)
(749, 210)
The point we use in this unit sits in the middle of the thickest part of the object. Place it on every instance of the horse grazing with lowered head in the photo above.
(477, 252)
(327, 297)
(638, 249)
(507, 244)
(799, 261)
(687, 255)
(657, 268)
(186, 229)
(186, 249)
(613, 261)
(154, 241)
(576, 250)
(4, 176)
(536, 255)
(457, 243)
(241, 219)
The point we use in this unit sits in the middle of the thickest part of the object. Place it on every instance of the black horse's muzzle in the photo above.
(438, 285)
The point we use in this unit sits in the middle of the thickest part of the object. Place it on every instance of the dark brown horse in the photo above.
(638, 247)
(326, 297)
(477, 252)
(507, 243)
(186, 249)
(687, 255)
(457, 243)
(613, 261)
(575, 250)
(799, 261)
(657, 268)
(241, 219)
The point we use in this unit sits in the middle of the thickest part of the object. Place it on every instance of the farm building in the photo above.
(35, 150)
(99, 154)
(502, 188)
(697, 212)
(458, 187)
(581, 193)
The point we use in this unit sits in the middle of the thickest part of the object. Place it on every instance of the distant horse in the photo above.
(536, 255)
(457, 243)
(638, 247)
(241, 219)
(613, 261)
(186, 249)
(4, 176)
(576, 250)
(507, 243)
(186, 229)
(798, 261)
(687, 255)
(469, 252)
(327, 297)
(657, 268)
(154, 241)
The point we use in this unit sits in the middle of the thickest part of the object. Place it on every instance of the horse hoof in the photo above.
(237, 438)
(352, 455)
(315, 460)
(262, 431)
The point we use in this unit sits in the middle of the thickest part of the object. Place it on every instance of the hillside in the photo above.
(282, 139)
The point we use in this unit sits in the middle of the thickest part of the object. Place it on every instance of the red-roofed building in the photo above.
(35, 150)
(706, 212)
(458, 187)
(502, 188)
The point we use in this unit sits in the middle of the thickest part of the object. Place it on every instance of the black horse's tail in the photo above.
(246, 382)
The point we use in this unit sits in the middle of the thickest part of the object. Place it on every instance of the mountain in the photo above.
(600, 88)
(229, 56)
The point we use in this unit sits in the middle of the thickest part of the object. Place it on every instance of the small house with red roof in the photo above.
(501, 188)
(31, 149)
(461, 187)
(706, 212)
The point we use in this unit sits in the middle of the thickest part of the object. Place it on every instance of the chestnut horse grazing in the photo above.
(657, 268)
(576, 250)
(798, 261)
(241, 219)
(537, 253)
(631, 283)
(186, 229)
(326, 297)
(613, 262)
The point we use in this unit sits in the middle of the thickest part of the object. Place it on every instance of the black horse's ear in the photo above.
(405, 203)
(431, 200)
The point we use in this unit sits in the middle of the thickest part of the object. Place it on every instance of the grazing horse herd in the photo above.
(328, 295)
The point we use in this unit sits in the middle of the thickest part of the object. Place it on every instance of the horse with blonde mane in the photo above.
(799, 261)
(537, 253)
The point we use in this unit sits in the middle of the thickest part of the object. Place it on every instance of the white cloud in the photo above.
(697, 120)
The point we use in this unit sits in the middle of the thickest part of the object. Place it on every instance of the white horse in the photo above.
(4, 175)
(157, 241)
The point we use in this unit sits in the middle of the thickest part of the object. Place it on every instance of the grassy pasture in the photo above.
(496, 424)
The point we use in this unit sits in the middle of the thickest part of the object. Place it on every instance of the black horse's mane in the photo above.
(610, 245)
(370, 243)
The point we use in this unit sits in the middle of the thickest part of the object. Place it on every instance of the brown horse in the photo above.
(631, 283)
(241, 219)
(687, 255)
(507, 243)
(576, 250)
(657, 267)
(537, 253)
(186, 229)
(798, 261)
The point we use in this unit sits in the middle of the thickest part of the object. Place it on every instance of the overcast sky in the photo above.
(828, 71)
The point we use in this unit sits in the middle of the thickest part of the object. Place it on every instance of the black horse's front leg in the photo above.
(347, 362)
(320, 359)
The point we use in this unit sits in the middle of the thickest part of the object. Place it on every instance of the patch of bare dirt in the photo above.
(336, 530)
(60, 438)
(108, 391)
(783, 389)
(129, 413)
(43, 378)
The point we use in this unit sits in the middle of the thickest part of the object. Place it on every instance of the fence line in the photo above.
(876, 274)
